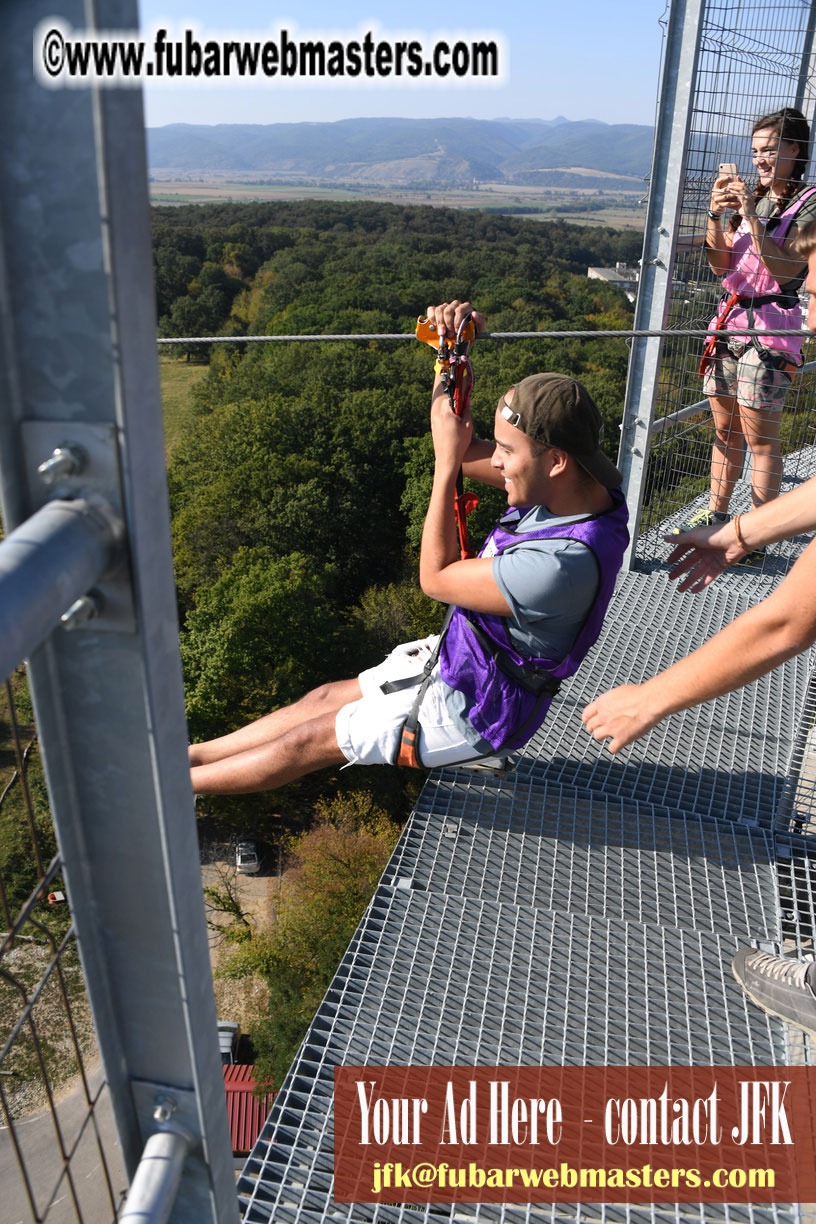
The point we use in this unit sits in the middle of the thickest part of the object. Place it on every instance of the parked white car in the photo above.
(247, 858)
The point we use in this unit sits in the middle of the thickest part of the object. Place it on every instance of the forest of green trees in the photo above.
(299, 486)
(299, 489)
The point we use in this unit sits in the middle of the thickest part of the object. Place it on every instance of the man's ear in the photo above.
(559, 461)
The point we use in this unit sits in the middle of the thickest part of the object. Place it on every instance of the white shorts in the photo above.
(368, 730)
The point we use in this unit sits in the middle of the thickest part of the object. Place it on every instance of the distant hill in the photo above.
(447, 152)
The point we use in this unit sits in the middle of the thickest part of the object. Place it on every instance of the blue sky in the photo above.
(583, 59)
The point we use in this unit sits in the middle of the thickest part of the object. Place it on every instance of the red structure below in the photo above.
(246, 1112)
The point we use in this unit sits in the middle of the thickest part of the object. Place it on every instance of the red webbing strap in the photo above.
(710, 346)
(464, 503)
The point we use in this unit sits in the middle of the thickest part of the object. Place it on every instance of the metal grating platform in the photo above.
(510, 985)
(729, 758)
(583, 909)
(529, 843)
(796, 890)
(558, 1213)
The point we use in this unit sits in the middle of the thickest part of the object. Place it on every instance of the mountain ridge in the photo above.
(448, 152)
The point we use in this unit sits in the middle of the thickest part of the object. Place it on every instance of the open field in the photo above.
(587, 206)
(178, 378)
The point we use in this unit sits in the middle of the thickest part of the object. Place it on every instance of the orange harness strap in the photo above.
(408, 745)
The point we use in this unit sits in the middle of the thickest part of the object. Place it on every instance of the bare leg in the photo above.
(298, 751)
(328, 698)
(727, 455)
(761, 430)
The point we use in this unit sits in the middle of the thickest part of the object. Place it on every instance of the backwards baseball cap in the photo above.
(558, 411)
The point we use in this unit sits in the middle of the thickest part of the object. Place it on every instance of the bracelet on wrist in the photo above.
(714, 216)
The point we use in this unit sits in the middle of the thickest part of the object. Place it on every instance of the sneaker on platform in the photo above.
(779, 985)
(702, 518)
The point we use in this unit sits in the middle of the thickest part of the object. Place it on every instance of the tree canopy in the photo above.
(300, 485)
(299, 492)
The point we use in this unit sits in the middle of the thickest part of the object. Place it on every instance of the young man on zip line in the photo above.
(522, 614)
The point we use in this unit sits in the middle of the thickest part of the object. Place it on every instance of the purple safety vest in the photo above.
(504, 711)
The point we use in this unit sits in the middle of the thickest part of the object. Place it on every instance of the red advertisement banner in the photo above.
(575, 1134)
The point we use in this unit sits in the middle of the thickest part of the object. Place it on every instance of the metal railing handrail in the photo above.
(155, 1183)
(48, 562)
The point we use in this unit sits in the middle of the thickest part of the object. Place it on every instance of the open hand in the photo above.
(702, 555)
(621, 715)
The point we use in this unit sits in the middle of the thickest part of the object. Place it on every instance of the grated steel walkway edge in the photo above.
(435, 979)
(729, 758)
(583, 909)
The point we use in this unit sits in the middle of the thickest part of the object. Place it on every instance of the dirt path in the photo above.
(253, 893)
(244, 999)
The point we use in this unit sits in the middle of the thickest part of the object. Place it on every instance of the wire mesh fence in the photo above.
(59, 1157)
(753, 60)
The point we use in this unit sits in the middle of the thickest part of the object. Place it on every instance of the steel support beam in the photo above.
(78, 334)
(659, 245)
(805, 98)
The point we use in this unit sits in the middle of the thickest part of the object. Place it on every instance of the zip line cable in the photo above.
(662, 333)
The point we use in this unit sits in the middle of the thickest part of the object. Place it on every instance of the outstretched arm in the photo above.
(703, 554)
(780, 627)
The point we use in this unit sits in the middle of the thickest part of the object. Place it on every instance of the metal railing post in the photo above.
(79, 374)
(659, 244)
(804, 99)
